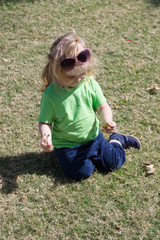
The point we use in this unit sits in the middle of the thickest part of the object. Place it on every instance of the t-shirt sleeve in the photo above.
(46, 110)
(99, 96)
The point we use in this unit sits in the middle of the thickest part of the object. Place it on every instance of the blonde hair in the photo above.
(68, 44)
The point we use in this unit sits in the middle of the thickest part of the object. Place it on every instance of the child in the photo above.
(71, 97)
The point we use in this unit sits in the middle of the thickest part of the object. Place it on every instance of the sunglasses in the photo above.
(69, 63)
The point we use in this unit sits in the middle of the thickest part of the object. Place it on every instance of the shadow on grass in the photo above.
(15, 1)
(31, 163)
(155, 2)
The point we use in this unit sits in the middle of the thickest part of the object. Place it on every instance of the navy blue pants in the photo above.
(79, 162)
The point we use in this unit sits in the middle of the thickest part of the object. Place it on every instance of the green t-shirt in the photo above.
(72, 112)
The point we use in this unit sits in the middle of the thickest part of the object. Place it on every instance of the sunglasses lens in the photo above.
(84, 56)
(68, 64)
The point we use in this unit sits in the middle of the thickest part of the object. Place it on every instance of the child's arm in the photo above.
(105, 113)
(46, 136)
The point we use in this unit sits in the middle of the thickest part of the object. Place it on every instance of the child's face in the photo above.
(71, 79)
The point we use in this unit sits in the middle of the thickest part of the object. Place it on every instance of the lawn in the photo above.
(37, 202)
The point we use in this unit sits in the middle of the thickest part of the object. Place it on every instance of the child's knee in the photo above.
(84, 172)
(114, 157)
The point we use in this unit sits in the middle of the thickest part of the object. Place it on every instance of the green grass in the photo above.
(37, 201)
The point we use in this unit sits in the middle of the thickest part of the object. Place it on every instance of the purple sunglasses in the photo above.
(69, 63)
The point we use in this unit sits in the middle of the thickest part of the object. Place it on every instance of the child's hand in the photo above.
(109, 127)
(46, 143)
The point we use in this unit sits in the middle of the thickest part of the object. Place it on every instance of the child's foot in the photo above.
(126, 140)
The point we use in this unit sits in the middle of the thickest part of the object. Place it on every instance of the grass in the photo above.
(37, 201)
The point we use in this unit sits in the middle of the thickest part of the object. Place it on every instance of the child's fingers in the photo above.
(46, 145)
(110, 126)
(43, 143)
(49, 148)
